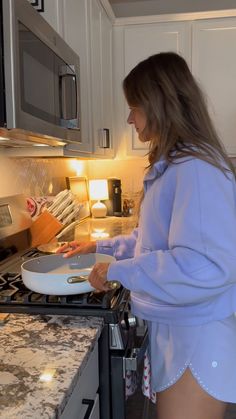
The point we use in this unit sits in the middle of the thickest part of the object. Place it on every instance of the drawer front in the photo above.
(95, 411)
(86, 388)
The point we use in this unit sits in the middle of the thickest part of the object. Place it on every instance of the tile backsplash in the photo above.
(37, 177)
(46, 176)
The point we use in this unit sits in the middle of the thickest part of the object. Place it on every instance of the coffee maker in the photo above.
(113, 204)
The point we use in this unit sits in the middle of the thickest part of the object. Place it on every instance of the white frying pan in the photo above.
(55, 275)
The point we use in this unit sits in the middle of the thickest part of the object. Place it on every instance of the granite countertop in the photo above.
(102, 228)
(35, 348)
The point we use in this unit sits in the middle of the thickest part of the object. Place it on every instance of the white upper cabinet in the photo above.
(52, 11)
(86, 27)
(214, 65)
(141, 41)
(101, 74)
(208, 47)
(76, 34)
(70, 19)
(108, 52)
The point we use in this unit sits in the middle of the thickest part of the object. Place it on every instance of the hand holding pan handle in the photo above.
(81, 278)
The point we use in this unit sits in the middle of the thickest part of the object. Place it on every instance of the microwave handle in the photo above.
(68, 96)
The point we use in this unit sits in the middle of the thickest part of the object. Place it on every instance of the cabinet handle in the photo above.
(104, 138)
(90, 404)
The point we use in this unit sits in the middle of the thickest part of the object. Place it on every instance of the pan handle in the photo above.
(76, 279)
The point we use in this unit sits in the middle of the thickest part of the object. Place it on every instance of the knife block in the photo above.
(44, 229)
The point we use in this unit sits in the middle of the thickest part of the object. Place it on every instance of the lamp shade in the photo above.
(98, 189)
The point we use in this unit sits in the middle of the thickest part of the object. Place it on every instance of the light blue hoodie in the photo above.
(180, 264)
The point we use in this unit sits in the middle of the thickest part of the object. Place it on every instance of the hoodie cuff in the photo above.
(105, 247)
(124, 272)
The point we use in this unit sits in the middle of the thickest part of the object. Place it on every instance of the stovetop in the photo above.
(15, 221)
(16, 298)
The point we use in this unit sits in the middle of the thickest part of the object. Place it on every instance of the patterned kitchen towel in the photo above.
(146, 383)
(131, 383)
(36, 205)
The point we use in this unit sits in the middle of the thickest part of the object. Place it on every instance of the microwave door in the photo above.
(42, 80)
(49, 90)
(38, 82)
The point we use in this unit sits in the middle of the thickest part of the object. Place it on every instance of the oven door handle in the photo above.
(131, 362)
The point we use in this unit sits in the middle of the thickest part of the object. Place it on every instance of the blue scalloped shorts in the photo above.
(209, 350)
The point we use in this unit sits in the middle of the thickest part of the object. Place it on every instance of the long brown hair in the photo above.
(178, 122)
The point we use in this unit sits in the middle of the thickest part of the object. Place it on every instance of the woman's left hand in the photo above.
(98, 276)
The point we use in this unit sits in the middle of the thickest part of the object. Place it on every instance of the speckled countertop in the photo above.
(33, 346)
(100, 228)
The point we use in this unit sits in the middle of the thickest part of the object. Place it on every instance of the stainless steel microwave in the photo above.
(39, 78)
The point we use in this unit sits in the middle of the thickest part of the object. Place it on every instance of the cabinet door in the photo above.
(141, 41)
(52, 11)
(95, 414)
(101, 68)
(84, 398)
(214, 65)
(76, 34)
(107, 81)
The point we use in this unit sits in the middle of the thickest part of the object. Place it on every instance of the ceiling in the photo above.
(128, 8)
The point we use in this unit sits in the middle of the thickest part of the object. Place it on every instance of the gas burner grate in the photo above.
(13, 291)
(32, 253)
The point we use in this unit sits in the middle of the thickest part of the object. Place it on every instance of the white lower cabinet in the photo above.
(95, 410)
(84, 400)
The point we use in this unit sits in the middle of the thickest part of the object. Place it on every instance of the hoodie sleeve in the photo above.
(121, 247)
(200, 262)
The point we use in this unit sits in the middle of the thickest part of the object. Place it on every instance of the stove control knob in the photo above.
(132, 320)
(128, 321)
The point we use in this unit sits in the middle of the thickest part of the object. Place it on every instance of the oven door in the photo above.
(129, 361)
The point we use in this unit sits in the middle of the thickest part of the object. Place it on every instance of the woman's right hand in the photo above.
(77, 248)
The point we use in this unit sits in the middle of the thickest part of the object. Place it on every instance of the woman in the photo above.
(180, 263)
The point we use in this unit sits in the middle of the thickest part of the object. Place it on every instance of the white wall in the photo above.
(130, 172)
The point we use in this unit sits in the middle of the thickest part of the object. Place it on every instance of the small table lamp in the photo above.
(98, 189)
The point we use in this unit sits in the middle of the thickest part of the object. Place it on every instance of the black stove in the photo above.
(16, 298)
